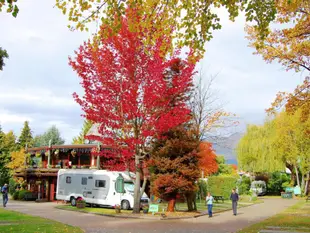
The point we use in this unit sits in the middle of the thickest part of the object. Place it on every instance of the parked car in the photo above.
(259, 187)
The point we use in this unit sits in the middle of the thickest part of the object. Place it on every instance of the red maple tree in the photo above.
(174, 166)
(129, 95)
(207, 156)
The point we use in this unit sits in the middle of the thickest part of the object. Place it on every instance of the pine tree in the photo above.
(52, 134)
(25, 137)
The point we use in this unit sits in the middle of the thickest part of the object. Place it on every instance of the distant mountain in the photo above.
(226, 146)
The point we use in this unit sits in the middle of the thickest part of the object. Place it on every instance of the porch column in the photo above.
(39, 192)
(51, 191)
(49, 153)
(98, 162)
(98, 157)
(92, 164)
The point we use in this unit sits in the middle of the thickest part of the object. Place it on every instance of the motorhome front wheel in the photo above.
(125, 205)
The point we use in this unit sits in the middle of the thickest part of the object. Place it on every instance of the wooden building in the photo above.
(42, 165)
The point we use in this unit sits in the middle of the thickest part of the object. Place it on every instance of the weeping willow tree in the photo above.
(293, 144)
(281, 142)
(256, 149)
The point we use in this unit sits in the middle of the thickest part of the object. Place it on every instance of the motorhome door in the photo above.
(101, 187)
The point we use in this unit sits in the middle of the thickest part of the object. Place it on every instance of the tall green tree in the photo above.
(2, 135)
(25, 137)
(7, 145)
(52, 134)
(3, 54)
(81, 137)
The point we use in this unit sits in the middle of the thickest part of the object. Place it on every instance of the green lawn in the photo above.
(295, 218)
(11, 221)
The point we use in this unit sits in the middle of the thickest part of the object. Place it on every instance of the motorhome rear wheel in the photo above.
(73, 201)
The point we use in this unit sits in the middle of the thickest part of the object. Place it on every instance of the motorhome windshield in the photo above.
(129, 186)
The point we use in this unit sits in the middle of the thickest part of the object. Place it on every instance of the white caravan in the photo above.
(95, 187)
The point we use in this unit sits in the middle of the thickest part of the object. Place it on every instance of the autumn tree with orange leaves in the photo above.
(174, 166)
(208, 163)
(290, 46)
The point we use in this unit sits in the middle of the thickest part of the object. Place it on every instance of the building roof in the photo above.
(54, 147)
(93, 131)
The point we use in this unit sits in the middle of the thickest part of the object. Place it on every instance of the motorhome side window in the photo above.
(84, 180)
(100, 183)
(68, 179)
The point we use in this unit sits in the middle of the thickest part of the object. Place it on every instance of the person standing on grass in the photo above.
(5, 197)
(209, 200)
(234, 197)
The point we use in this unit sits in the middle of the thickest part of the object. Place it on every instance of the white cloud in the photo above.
(7, 118)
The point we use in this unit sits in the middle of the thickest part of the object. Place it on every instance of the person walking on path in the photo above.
(5, 197)
(234, 197)
(209, 200)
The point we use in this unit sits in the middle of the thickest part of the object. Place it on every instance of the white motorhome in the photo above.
(259, 187)
(95, 187)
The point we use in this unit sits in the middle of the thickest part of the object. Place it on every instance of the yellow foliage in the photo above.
(290, 45)
(17, 159)
(192, 21)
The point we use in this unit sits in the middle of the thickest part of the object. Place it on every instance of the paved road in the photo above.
(221, 223)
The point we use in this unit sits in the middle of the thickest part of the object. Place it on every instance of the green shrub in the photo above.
(222, 185)
(275, 182)
(244, 186)
(15, 195)
(22, 193)
(12, 186)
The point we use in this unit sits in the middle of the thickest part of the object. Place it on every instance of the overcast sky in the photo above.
(37, 83)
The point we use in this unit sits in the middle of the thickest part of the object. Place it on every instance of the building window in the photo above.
(100, 183)
(68, 179)
(84, 180)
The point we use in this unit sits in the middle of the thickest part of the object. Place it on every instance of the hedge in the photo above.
(22, 193)
(221, 185)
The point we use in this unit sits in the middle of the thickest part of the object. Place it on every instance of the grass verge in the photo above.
(11, 221)
(295, 218)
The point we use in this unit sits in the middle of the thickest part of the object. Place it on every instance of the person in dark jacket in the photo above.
(4, 191)
(234, 197)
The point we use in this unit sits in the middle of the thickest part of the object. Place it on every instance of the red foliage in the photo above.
(127, 92)
(174, 164)
(208, 162)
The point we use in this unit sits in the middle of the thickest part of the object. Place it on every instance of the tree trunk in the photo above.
(136, 205)
(297, 175)
(171, 205)
(293, 176)
(307, 184)
(191, 201)
(302, 182)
